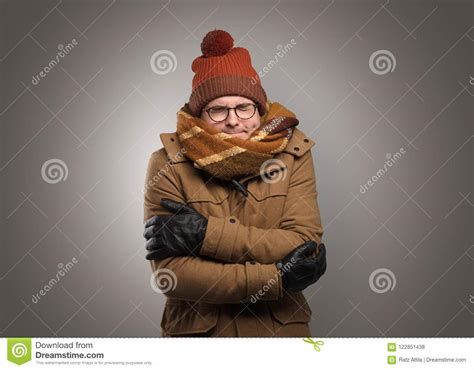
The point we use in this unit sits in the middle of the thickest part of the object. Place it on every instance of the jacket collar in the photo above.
(298, 145)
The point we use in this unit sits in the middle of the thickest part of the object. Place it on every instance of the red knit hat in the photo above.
(224, 70)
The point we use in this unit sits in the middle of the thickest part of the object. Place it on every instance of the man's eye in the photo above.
(218, 110)
(244, 107)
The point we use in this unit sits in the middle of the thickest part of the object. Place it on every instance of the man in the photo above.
(231, 216)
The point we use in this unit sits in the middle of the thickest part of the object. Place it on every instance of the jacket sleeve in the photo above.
(227, 240)
(199, 278)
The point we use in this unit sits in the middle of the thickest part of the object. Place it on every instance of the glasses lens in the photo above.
(218, 114)
(245, 111)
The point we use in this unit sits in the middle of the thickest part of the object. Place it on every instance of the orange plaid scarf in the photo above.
(227, 157)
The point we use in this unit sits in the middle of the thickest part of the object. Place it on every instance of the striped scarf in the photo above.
(227, 157)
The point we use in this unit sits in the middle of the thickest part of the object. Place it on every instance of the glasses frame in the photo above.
(235, 111)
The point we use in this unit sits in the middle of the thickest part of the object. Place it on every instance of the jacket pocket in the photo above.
(267, 199)
(184, 318)
(208, 199)
(292, 308)
(206, 192)
(262, 189)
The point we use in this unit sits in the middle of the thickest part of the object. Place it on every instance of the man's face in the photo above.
(232, 125)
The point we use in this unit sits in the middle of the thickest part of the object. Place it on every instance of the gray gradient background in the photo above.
(101, 111)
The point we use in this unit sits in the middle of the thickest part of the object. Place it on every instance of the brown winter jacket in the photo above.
(233, 288)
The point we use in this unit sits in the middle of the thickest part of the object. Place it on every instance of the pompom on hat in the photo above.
(224, 70)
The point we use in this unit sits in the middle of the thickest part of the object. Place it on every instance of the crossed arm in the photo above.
(233, 242)
(237, 261)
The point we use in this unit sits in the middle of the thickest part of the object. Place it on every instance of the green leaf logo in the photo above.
(19, 350)
(315, 344)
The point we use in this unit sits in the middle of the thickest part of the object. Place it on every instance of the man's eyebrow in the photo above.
(217, 106)
(224, 106)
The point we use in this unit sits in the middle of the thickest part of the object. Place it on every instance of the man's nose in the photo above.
(232, 119)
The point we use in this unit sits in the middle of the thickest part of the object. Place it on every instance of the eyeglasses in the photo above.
(243, 111)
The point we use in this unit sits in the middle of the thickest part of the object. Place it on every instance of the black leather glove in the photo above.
(180, 234)
(299, 269)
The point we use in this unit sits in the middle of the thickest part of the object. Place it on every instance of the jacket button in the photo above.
(232, 220)
(296, 148)
(306, 140)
